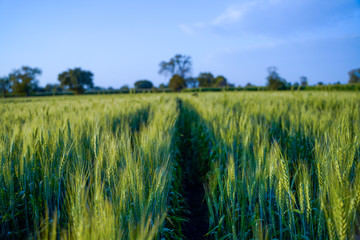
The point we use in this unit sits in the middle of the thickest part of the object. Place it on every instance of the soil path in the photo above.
(197, 223)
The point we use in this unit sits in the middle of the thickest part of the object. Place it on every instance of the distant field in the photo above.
(226, 165)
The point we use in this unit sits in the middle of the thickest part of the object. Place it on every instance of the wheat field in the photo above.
(239, 165)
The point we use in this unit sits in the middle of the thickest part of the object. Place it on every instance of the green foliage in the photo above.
(125, 88)
(334, 87)
(53, 88)
(179, 64)
(23, 80)
(275, 165)
(5, 86)
(220, 81)
(143, 84)
(274, 81)
(162, 86)
(283, 165)
(354, 76)
(303, 81)
(191, 82)
(87, 168)
(205, 80)
(177, 83)
(76, 80)
(221, 89)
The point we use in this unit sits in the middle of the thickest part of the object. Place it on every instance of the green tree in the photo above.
(177, 83)
(303, 81)
(162, 86)
(205, 80)
(125, 88)
(143, 84)
(275, 82)
(76, 80)
(191, 82)
(23, 80)
(4, 86)
(220, 81)
(295, 86)
(179, 64)
(354, 76)
(54, 88)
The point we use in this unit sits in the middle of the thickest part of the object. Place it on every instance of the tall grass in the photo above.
(286, 164)
(81, 168)
(274, 165)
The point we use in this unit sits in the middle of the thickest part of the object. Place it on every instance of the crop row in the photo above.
(283, 166)
(269, 165)
(86, 169)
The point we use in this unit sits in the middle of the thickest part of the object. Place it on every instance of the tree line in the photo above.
(24, 81)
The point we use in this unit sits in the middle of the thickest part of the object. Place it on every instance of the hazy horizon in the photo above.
(122, 42)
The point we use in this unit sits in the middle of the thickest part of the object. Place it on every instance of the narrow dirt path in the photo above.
(197, 223)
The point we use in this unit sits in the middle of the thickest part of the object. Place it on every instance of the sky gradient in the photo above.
(124, 41)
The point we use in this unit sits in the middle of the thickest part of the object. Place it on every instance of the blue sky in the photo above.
(124, 41)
